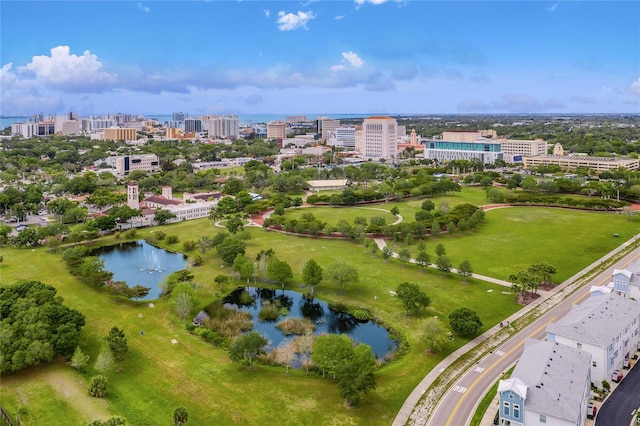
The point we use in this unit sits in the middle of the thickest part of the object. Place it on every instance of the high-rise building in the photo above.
(192, 125)
(345, 137)
(295, 119)
(325, 126)
(179, 116)
(380, 137)
(120, 134)
(276, 130)
(224, 126)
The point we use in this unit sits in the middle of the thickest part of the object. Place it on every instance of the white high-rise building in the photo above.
(380, 137)
(325, 126)
(346, 137)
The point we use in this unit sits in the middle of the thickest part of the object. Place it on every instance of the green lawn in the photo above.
(157, 375)
(332, 215)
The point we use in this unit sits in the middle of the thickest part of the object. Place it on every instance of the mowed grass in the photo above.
(512, 238)
(332, 215)
(157, 375)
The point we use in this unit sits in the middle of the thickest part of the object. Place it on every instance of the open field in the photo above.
(158, 376)
(332, 215)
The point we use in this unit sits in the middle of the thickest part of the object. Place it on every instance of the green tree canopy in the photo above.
(413, 299)
(464, 321)
(246, 347)
(117, 342)
(229, 249)
(342, 274)
(312, 273)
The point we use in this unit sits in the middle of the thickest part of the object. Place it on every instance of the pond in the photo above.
(141, 263)
(326, 320)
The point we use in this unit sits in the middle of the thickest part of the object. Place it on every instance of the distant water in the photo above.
(243, 118)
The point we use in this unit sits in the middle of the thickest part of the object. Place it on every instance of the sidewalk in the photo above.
(422, 408)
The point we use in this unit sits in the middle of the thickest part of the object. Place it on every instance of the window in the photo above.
(543, 418)
(579, 345)
(505, 410)
(595, 364)
(516, 411)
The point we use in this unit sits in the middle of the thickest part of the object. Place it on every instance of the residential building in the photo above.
(224, 126)
(606, 326)
(380, 137)
(120, 134)
(485, 150)
(295, 119)
(179, 116)
(26, 130)
(359, 140)
(550, 385)
(626, 283)
(276, 130)
(572, 162)
(127, 163)
(192, 125)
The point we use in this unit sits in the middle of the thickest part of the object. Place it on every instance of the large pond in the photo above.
(325, 319)
(141, 263)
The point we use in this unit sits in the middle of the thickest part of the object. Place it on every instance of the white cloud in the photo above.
(375, 2)
(635, 87)
(70, 72)
(350, 60)
(145, 9)
(293, 21)
(553, 7)
(267, 13)
(339, 17)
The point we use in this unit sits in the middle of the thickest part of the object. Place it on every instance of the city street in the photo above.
(618, 408)
(459, 403)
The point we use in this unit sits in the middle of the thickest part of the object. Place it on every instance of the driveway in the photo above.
(618, 407)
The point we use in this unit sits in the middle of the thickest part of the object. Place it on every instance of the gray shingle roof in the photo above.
(597, 320)
(556, 375)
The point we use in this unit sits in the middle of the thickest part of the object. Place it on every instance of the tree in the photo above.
(395, 211)
(246, 347)
(111, 421)
(180, 416)
(279, 270)
(104, 361)
(428, 205)
(342, 274)
(79, 359)
(440, 250)
(413, 299)
(464, 321)
(243, 266)
(91, 270)
(285, 354)
(229, 249)
(117, 343)
(386, 252)
(423, 258)
(355, 376)
(465, 269)
(434, 334)
(184, 300)
(330, 351)
(98, 386)
(443, 264)
(162, 216)
(312, 273)
(404, 255)
(235, 224)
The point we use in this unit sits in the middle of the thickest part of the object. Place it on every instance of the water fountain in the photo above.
(152, 262)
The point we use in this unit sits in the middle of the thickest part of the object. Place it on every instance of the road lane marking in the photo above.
(478, 369)
(499, 353)
(475, 382)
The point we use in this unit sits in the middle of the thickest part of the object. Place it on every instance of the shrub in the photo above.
(269, 312)
(172, 239)
(160, 235)
(98, 386)
(361, 314)
(189, 245)
(131, 233)
(221, 279)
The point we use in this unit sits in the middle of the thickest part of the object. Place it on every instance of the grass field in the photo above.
(332, 215)
(157, 375)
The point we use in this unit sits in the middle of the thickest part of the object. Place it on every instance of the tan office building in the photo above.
(276, 130)
(572, 162)
(120, 134)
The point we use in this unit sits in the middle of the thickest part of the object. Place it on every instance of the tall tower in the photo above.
(380, 137)
(132, 195)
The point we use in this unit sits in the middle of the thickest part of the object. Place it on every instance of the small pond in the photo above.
(325, 319)
(141, 263)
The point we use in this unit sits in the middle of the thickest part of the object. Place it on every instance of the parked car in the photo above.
(591, 410)
(626, 364)
(616, 376)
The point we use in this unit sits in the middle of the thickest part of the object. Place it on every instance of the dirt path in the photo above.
(69, 385)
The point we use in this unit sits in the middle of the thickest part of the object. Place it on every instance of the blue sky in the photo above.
(291, 57)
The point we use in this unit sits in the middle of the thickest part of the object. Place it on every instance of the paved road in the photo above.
(617, 409)
(459, 403)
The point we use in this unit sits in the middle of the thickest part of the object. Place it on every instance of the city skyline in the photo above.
(361, 57)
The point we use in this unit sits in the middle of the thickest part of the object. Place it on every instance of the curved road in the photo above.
(460, 401)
